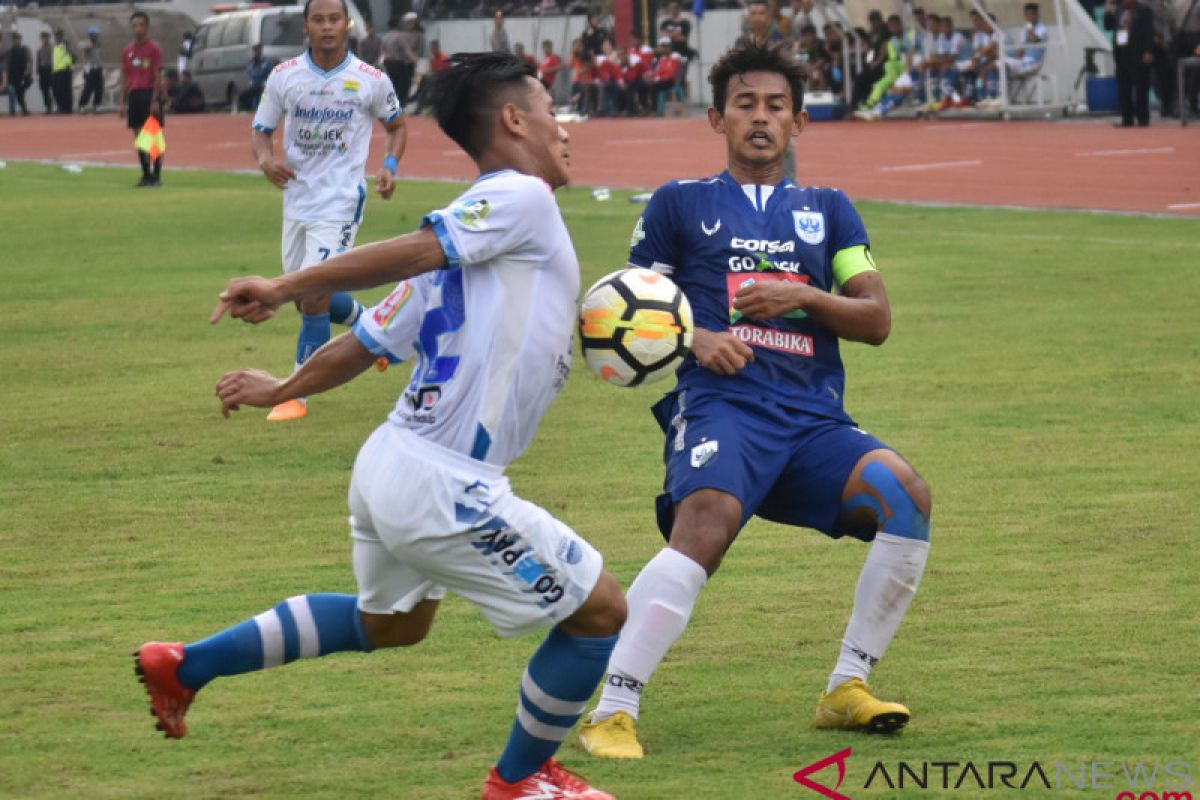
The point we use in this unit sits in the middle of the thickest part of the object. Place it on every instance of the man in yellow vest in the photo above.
(62, 61)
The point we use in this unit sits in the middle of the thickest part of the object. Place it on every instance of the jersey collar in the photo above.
(312, 65)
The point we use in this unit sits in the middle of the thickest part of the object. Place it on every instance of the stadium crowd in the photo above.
(922, 61)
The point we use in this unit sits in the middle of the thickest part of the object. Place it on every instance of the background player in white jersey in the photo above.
(776, 275)
(496, 284)
(327, 100)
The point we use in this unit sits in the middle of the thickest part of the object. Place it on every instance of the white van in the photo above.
(221, 48)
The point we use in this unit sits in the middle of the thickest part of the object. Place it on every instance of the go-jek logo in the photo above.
(839, 758)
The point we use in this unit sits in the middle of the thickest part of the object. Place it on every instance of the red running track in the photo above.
(1072, 163)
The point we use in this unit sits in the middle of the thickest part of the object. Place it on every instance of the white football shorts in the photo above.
(309, 243)
(425, 519)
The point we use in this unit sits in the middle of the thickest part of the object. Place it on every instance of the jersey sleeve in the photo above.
(270, 107)
(654, 244)
(390, 328)
(386, 106)
(497, 217)
(848, 242)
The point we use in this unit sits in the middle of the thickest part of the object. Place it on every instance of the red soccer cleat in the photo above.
(155, 664)
(551, 782)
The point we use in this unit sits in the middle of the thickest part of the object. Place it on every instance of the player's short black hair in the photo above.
(141, 14)
(1033, 7)
(468, 94)
(345, 8)
(756, 55)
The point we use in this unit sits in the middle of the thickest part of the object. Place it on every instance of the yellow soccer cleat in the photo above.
(614, 737)
(382, 364)
(286, 412)
(852, 706)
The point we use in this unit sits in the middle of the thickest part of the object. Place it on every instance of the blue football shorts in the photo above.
(782, 464)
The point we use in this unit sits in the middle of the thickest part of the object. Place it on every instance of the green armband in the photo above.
(850, 262)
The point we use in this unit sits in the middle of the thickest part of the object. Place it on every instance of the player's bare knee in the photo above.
(602, 614)
(394, 630)
(886, 486)
(314, 305)
(706, 523)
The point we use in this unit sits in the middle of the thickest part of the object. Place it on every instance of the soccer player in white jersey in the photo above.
(326, 100)
(496, 282)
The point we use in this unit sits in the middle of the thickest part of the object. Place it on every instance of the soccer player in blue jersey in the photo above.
(776, 274)
(495, 290)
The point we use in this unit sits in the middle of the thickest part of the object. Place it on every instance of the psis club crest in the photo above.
(810, 226)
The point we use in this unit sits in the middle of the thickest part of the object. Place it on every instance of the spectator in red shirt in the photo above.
(584, 88)
(142, 89)
(549, 66)
(438, 61)
(637, 61)
(519, 52)
(611, 74)
(666, 71)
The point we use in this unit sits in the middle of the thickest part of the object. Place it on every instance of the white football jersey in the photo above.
(327, 119)
(494, 339)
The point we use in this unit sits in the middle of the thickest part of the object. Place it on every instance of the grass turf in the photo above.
(1042, 374)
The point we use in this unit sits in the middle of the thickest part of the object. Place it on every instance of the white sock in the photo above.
(660, 603)
(886, 586)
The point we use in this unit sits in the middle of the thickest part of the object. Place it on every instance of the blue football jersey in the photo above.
(715, 236)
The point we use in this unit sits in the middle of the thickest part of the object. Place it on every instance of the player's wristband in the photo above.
(389, 164)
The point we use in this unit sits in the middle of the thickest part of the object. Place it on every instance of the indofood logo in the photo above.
(323, 114)
(1118, 780)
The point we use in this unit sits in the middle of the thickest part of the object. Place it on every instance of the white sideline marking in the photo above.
(93, 153)
(1142, 151)
(937, 165)
(1182, 206)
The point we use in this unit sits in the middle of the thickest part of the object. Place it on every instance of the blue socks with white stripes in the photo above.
(556, 685)
(314, 333)
(344, 309)
(305, 626)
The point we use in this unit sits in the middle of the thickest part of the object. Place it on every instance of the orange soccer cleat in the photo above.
(156, 664)
(286, 412)
(551, 782)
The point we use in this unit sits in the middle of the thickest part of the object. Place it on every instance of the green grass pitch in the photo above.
(1043, 374)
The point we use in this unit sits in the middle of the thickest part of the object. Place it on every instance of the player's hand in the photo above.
(385, 184)
(251, 387)
(721, 352)
(252, 299)
(764, 300)
(278, 173)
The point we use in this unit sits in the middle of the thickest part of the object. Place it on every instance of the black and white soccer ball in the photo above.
(635, 326)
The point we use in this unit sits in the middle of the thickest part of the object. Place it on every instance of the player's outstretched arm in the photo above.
(255, 299)
(340, 361)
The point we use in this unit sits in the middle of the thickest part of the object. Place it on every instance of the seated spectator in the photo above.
(611, 75)
(549, 66)
(835, 44)
(877, 56)
(979, 73)
(638, 61)
(951, 50)
(894, 66)
(186, 96)
(811, 52)
(258, 69)
(666, 73)
(1027, 60)
(585, 90)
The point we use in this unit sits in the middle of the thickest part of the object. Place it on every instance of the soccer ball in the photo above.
(635, 326)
